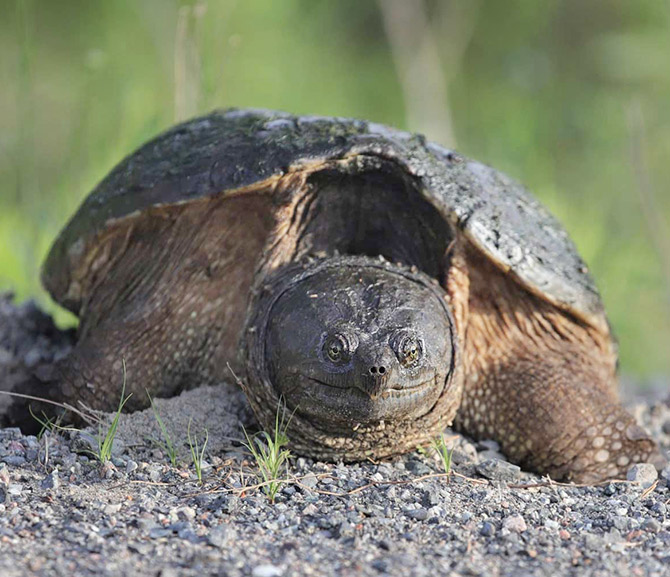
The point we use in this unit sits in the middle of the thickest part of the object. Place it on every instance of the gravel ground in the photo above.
(63, 513)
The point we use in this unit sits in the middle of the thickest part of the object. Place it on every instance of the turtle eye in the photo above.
(409, 351)
(336, 349)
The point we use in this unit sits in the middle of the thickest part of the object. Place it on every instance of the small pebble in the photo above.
(487, 529)
(417, 514)
(551, 525)
(385, 544)
(185, 513)
(515, 524)
(643, 474)
(51, 481)
(310, 481)
(112, 508)
(15, 489)
(219, 536)
(14, 460)
(266, 571)
(488, 445)
(652, 525)
(593, 542)
(498, 470)
(310, 510)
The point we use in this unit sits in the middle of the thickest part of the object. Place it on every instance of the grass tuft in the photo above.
(269, 452)
(51, 424)
(167, 445)
(197, 453)
(105, 440)
(440, 446)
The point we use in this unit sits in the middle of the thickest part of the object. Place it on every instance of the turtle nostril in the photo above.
(376, 371)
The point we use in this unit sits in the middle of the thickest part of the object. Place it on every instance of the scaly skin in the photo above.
(539, 382)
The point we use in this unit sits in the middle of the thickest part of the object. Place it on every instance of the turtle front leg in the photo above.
(551, 413)
(154, 352)
(167, 299)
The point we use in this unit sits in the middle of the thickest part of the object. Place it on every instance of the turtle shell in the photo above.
(232, 150)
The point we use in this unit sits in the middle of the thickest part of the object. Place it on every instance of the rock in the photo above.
(145, 524)
(266, 571)
(118, 447)
(84, 443)
(459, 457)
(15, 489)
(51, 481)
(515, 524)
(643, 474)
(417, 514)
(14, 460)
(10, 433)
(488, 445)
(652, 525)
(219, 536)
(310, 510)
(112, 508)
(159, 533)
(465, 452)
(184, 513)
(418, 467)
(4, 474)
(142, 548)
(154, 475)
(593, 542)
(487, 529)
(498, 470)
(551, 525)
(489, 455)
(310, 481)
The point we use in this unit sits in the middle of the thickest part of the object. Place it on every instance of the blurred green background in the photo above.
(570, 97)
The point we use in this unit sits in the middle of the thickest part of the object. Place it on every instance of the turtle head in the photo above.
(360, 342)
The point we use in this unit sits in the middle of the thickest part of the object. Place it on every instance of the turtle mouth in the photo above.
(393, 392)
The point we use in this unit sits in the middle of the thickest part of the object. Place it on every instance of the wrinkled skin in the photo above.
(359, 345)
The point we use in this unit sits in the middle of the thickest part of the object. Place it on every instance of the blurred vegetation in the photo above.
(570, 97)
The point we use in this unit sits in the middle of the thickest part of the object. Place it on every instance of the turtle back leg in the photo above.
(541, 383)
(169, 305)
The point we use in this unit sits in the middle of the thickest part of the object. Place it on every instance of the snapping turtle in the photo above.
(380, 285)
